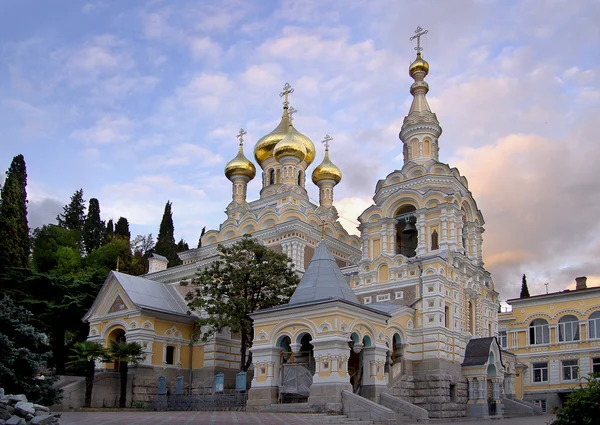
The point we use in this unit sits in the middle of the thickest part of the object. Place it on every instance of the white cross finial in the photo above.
(291, 113)
(287, 90)
(240, 135)
(326, 141)
(418, 33)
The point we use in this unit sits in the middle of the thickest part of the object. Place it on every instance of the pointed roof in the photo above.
(322, 280)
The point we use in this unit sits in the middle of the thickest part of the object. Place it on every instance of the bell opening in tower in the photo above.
(407, 235)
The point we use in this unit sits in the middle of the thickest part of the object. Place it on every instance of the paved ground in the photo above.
(238, 418)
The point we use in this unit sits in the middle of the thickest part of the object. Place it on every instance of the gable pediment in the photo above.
(112, 300)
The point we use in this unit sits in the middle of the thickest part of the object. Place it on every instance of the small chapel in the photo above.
(403, 315)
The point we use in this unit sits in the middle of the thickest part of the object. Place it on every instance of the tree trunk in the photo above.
(89, 382)
(123, 396)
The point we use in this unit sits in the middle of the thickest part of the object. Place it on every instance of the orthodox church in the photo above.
(405, 312)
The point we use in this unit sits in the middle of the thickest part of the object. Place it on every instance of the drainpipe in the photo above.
(191, 379)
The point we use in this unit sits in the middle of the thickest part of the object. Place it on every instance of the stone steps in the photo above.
(322, 419)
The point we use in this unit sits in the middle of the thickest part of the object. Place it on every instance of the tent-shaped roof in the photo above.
(322, 280)
(478, 351)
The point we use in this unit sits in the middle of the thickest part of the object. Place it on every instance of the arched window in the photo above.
(434, 240)
(272, 176)
(299, 178)
(594, 325)
(407, 236)
(170, 355)
(568, 328)
(539, 332)
(471, 318)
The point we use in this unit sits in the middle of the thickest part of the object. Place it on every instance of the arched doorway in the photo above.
(407, 236)
(297, 368)
(116, 335)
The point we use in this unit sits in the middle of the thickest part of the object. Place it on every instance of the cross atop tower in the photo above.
(241, 135)
(287, 90)
(326, 141)
(291, 113)
(322, 226)
(418, 33)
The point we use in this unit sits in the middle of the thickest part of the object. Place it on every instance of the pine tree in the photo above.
(182, 246)
(14, 230)
(110, 232)
(93, 228)
(524, 288)
(122, 228)
(73, 215)
(165, 243)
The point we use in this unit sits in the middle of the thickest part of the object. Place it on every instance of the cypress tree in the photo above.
(14, 230)
(182, 246)
(73, 215)
(165, 243)
(524, 288)
(122, 228)
(201, 235)
(109, 233)
(93, 228)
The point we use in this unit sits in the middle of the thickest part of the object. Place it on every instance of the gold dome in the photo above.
(240, 166)
(419, 65)
(290, 145)
(264, 147)
(327, 170)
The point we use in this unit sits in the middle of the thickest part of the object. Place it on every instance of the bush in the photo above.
(582, 406)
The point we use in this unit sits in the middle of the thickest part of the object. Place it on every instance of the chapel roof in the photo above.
(322, 280)
(478, 351)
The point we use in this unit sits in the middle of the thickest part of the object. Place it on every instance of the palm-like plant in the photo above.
(125, 353)
(86, 354)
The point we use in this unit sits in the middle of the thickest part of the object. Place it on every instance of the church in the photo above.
(405, 313)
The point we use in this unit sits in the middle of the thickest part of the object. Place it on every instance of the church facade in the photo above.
(417, 292)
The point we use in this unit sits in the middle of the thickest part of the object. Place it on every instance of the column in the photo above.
(178, 349)
(422, 246)
(373, 380)
(264, 389)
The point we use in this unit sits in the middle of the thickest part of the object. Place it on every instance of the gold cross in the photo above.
(326, 141)
(241, 135)
(287, 90)
(291, 113)
(322, 226)
(418, 33)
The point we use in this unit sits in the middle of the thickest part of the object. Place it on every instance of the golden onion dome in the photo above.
(419, 65)
(290, 145)
(240, 166)
(326, 170)
(264, 147)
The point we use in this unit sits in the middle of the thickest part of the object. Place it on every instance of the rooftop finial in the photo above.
(326, 141)
(241, 135)
(322, 226)
(418, 33)
(291, 113)
(287, 90)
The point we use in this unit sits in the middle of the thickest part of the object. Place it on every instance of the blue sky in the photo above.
(139, 103)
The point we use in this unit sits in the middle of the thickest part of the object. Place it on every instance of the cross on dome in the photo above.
(418, 33)
(241, 135)
(291, 113)
(326, 141)
(287, 90)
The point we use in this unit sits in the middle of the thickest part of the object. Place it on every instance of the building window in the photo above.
(434, 241)
(453, 396)
(367, 300)
(447, 316)
(570, 370)
(384, 297)
(594, 325)
(540, 372)
(272, 177)
(568, 329)
(540, 403)
(399, 295)
(539, 332)
(503, 339)
(596, 365)
(170, 355)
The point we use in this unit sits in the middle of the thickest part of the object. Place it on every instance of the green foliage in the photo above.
(122, 228)
(182, 246)
(125, 353)
(47, 242)
(524, 288)
(104, 258)
(582, 406)
(110, 231)
(201, 235)
(23, 353)
(14, 230)
(165, 243)
(73, 215)
(247, 277)
(84, 356)
(93, 228)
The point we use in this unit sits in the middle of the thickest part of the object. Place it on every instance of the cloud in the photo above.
(43, 211)
(183, 154)
(101, 54)
(110, 129)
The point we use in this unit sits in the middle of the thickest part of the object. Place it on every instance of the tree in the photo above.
(23, 354)
(165, 243)
(122, 228)
(93, 228)
(582, 405)
(110, 231)
(524, 288)
(182, 246)
(14, 230)
(142, 248)
(125, 353)
(247, 277)
(201, 235)
(73, 215)
(53, 246)
(86, 354)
